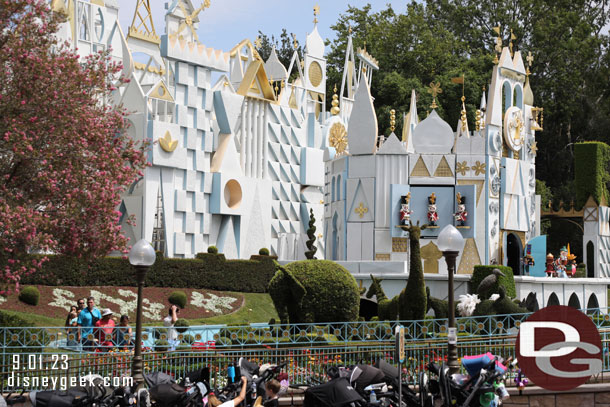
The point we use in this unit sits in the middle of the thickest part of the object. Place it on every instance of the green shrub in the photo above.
(8, 320)
(207, 271)
(591, 176)
(181, 325)
(161, 345)
(508, 281)
(178, 298)
(483, 308)
(212, 249)
(222, 341)
(315, 291)
(188, 339)
(581, 271)
(263, 252)
(29, 295)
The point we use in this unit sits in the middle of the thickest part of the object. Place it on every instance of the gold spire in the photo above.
(392, 120)
(258, 42)
(294, 41)
(510, 43)
(316, 12)
(435, 89)
(335, 103)
(142, 26)
(463, 113)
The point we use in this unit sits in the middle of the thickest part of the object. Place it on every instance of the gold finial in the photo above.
(258, 42)
(316, 12)
(294, 41)
(435, 89)
(335, 103)
(530, 60)
(477, 120)
(498, 46)
(392, 120)
(463, 114)
(349, 29)
(510, 43)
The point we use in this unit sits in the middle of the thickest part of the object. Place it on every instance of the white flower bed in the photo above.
(213, 303)
(126, 303)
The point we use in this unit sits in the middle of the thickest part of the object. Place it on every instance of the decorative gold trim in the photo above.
(161, 92)
(245, 43)
(431, 254)
(152, 69)
(256, 70)
(141, 31)
(338, 137)
(167, 143)
(361, 210)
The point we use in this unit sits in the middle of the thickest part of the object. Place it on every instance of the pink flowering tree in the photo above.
(65, 158)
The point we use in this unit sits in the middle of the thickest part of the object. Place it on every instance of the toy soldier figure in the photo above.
(405, 211)
(461, 215)
(432, 215)
(550, 265)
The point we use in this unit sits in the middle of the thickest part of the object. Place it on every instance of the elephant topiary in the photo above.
(314, 291)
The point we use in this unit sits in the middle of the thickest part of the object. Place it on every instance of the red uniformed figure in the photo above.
(461, 215)
(405, 211)
(550, 266)
(432, 215)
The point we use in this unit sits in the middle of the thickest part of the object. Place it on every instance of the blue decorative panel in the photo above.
(469, 194)
(445, 202)
(396, 192)
(538, 252)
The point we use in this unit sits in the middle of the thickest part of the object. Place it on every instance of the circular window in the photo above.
(315, 74)
(233, 194)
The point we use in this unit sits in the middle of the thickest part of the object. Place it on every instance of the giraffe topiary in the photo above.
(387, 309)
(412, 299)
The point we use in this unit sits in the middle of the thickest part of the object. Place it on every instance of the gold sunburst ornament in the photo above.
(167, 143)
(338, 138)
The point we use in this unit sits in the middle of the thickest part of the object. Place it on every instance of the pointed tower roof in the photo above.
(483, 105)
(505, 59)
(362, 126)
(349, 82)
(314, 42)
(392, 146)
(274, 68)
(142, 26)
(411, 121)
(518, 63)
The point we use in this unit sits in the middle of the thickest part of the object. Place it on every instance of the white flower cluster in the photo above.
(467, 303)
(213, 303)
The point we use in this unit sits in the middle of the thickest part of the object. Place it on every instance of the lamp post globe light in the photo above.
(141, 256)
(450, 242)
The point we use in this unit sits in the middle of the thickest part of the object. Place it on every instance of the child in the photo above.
(213, 401)
(272, 388)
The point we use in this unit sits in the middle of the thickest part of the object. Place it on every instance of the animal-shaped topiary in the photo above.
(387, 309)
(440, 307)
(314, 291)
(503, 305)
(412, 299)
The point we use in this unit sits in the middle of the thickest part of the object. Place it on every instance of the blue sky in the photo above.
(227, 22)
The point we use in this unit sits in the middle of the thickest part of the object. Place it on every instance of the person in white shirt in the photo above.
(214, 402)
(169, 321)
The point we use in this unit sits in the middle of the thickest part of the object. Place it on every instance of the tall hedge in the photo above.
(591, 161)
(209, 271)
(508, 281)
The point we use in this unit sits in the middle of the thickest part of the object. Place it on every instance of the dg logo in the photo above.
(559, 348)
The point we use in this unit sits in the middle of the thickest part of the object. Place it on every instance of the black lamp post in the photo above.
(450, 242)
(141, 256)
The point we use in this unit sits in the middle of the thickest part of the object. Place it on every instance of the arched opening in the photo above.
(332, 190)
(531, 302)
(518, 97)
(574, 302)
(339, 188)
(514, 253)
(592, 304)
(590, 260)
(335, 242)
(553, 300)
(507, 97)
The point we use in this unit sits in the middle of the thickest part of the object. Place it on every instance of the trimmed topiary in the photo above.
(161, 345)
(412, 304)
(30, 295)
(591, 159)
(314, 291)
(263, 252)
(188, 339)
(508, 281)
(178, 298)
(223, 341)
(311, 234)
(212, 249)
(181, 325)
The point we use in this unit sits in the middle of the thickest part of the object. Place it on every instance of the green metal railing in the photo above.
(309, 349)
